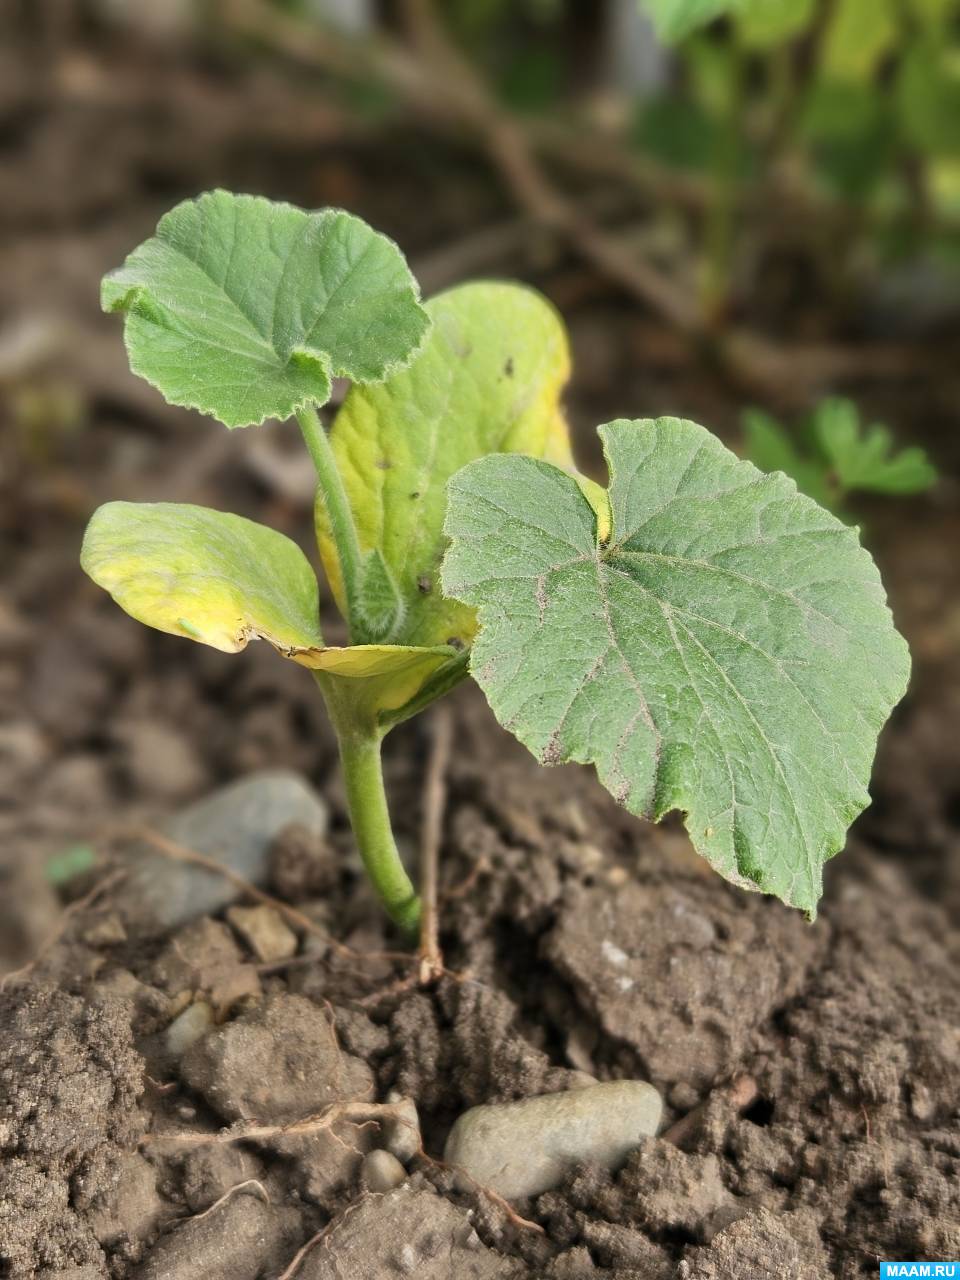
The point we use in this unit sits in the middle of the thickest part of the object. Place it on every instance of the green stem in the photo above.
(370, 818)
(359, 738)
(342, 528)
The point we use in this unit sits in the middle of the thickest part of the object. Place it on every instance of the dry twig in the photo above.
(434, 804)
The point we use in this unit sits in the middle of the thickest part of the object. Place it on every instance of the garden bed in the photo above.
(577, 940)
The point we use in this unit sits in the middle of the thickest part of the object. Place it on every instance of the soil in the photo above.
(577, 940)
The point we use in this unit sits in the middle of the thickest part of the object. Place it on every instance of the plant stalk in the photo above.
(342, 527)
(370, 818)
(359, 738)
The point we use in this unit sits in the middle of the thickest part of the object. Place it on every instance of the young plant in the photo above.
(834, 455)
(711, 640)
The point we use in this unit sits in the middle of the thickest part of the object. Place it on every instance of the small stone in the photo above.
(401, 1132)
(381, 1171)
(105, 931)
(524, 1148)
(237, 826)
(187, 1028)
(265, 932)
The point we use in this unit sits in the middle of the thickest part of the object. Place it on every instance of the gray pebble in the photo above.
(524, 1148)
(381, 1171)
(236, 825)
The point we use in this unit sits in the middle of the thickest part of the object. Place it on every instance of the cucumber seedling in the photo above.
(713, 641)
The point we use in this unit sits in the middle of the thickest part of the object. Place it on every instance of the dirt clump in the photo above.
(407, 1232)
(69, 1084)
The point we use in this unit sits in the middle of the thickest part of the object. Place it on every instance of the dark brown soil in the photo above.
(577, 939)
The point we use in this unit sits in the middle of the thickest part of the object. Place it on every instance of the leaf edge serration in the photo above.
(125, 301)
(749, 872)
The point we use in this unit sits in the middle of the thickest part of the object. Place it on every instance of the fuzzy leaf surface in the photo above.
(487, 380)
(244, 308)
(728, 654)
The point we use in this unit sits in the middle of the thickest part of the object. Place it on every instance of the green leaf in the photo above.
(245, 309)
(928, 96)
(770, 447)
(763, 24)
(382, 678)
(864, 458)
(859, 33)
(76, 860)
(729, 654)
(674, 19)
(380, 604)
(212, 577)
(487, 380)
(223, 580)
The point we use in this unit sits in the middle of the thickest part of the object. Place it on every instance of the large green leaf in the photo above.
(728, 653)
(487, 380)
(244, 309)
(223, 580)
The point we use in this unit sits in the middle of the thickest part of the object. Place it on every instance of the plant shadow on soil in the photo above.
(586, 942)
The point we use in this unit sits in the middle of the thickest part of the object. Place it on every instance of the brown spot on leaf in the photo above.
(508, 367)
(425, 584)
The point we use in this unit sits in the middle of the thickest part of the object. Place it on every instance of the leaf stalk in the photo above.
(342, 527)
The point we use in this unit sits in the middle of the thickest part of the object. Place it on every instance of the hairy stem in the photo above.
(342, 527)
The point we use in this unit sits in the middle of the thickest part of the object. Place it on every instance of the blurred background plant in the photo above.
(832, 455)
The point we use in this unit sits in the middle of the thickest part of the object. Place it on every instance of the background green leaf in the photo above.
(762, 24)
(865, 458)
(244, 309)
(675, 19)
(487, 380)
(858, 34)
(730, 654)
(770, 447)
